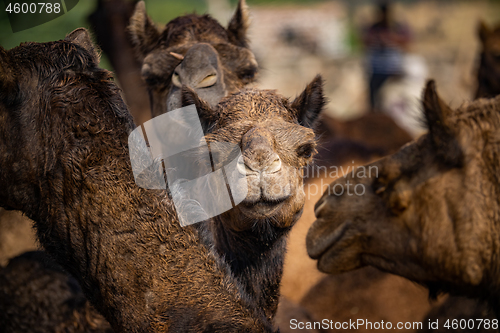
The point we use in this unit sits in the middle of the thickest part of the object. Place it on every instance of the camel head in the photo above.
(429, 212)
(195, 51)
(276, 141)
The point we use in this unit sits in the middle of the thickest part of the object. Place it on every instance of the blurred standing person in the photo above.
(386, 42)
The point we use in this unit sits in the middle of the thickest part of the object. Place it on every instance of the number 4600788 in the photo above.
(33, 8)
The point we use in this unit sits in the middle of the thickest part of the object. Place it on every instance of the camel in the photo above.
(124, 244)
(488, 74)
(252, 236)
(488, 86)
(33, 282)
(366, 293)
(195, 51)
(428, 212)
(115, 44)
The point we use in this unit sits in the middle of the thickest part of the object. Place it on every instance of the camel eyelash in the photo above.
(305, 150)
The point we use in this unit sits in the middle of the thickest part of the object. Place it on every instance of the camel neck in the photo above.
(125, 246)
(256, 259)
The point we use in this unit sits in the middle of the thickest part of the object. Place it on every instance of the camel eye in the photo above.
(176, 80)
(305, 151)
(379, 187)
(208, 81)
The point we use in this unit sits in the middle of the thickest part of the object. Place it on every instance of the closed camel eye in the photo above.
(208, 81)
(176, 80)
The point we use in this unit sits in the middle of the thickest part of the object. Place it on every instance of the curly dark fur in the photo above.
(37, 295)
(65, 164)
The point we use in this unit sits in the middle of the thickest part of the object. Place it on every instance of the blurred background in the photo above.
(375, 68)
(293, 40)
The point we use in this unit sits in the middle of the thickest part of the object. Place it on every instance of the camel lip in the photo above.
(262, 208)
(319, 246)
(265, 202)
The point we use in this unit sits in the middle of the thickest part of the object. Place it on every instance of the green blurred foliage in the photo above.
(275, 2)
(161, 11)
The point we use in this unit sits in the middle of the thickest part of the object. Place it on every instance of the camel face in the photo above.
(276, 141)
(427, 212)
(195, 51)
(489, 67)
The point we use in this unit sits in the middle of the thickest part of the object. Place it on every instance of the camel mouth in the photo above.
(265, 202)
(263, 206)
(321, 239)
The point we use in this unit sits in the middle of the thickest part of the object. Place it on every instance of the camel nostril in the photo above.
(243, 168)
(275, 166)
(176, 80)
(208, 81)
(317, 210)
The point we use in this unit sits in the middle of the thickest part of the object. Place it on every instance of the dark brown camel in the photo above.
(37, 295)
(428, 213)
(488, 74)
(109, 22)
(90, 216)
(70, 172)
(488, 86)
(195, 51)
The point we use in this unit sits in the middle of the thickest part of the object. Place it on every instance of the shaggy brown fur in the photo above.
(431, 212)
(172, 276)
(36, 295)
(195, 51)
(488, 74)
(64, 133)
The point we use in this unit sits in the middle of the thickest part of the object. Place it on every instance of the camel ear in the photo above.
(310, 103)
(238, 25)
(437, 115)
(143, 32)
(81, 37)
(205, 113)
(483, 31)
